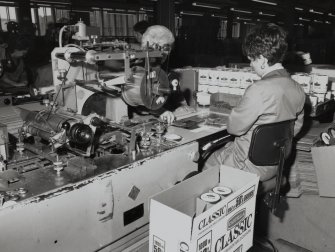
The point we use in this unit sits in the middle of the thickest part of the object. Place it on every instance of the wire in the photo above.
(60, 36)
(63, 83)
(167, 62)
(76, 46)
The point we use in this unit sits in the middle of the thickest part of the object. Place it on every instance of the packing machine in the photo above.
(77, 173)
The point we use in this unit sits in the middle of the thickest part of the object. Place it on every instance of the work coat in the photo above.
(274, 98)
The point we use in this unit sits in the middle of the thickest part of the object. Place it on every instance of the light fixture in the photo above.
(190, 13)
(244, 19)
(49, 2)
(205, 5)
(143, 9)
(317, 21)
(122, 14)
(218, 16)
(264, 2)
(248, 23)
(316, 12)
(298, 24)
(298, 8)
(327, 22)
(261, 20)
(331, 15)
(266, 14)
(242, 11)
(304, 19)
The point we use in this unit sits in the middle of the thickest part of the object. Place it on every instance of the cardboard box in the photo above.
(226, 226)
(324, 159)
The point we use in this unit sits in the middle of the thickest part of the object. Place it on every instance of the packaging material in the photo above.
(226, 226)
(320, 83)
(324, 159)
(203, 77)
(224, 102)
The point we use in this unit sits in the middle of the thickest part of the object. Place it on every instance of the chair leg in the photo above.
(272, 198)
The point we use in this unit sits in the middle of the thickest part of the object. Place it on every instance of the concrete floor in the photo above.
(307, 224)
(280, 245)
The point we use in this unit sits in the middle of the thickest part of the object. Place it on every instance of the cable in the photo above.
(60, 36)
(76, 46)
(63, 83)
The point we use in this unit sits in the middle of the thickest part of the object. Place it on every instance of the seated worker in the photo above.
(274, 98)
(158, 35)
(15, 72)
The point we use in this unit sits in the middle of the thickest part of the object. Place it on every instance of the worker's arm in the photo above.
(167, 116)
(9, 82)
(246, 113)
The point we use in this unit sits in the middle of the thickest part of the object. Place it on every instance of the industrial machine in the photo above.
(78, 174)
(113, 69)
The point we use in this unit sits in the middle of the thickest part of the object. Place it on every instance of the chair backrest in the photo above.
(267, 141)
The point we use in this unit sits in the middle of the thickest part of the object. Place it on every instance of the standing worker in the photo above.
(274, 98)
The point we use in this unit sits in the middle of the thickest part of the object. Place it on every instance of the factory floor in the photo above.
(280, 245)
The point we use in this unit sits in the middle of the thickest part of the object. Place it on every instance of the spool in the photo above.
(206, 201)
(210, 197)
(140, 92)
(223, 191)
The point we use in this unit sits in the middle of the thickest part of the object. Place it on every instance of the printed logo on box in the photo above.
(205, 242)
(214, 217)
(235, 219)
(158, 244)
(240, 200)
(242, 226)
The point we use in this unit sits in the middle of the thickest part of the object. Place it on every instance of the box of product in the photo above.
(203, 77)
(323, 160)
(320, 83)
(227, 225)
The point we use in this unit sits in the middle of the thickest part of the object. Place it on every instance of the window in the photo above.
(236, 30)
(120, 23)
(117, 23)
(223, 29)
(7, 13)
(44, 17)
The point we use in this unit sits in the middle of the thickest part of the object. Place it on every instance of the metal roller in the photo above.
(44, 124)
(150, 92)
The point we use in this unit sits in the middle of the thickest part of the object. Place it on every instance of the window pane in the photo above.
(44, 16)
(3, 16)
(62, 16)
(12, 13)
(32, 16)
(236, 30)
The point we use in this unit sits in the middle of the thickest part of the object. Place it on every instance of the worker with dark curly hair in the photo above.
(139, 29)
(274, 98)
(15, 70)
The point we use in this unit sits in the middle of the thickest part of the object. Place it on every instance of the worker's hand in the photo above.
(167, 116)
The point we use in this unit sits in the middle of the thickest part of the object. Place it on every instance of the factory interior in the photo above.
(167, 125)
